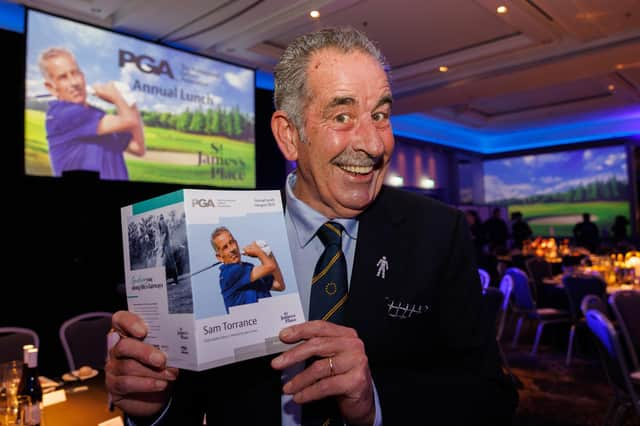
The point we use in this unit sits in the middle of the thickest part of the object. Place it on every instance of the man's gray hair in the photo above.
(219, 230)
(291, 92)
(50, 53)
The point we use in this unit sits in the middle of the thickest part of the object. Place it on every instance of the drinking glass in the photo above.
(24, 411)
(10, 373)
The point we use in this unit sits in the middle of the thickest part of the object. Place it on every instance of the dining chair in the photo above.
(12, 339)
(576, 288)
(626, 309)
(615, 367)
(591, 301)
(537, 270)
(506, 287)
(485, 278)
(524, 307)
(84, 339)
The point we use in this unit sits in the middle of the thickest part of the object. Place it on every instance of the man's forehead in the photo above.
(224, 234)
(328, 65)
(62, 59)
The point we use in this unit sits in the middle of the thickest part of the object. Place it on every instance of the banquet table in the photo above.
(556, 281)
(82, 407)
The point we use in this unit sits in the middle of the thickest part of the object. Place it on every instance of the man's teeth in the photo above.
(363, 170)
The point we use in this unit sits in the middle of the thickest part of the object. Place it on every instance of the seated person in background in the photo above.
(520, 229)
(243, 282)
(411, 346)
(587, 234)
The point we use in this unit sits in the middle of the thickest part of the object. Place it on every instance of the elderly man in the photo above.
(403, 347)
(80, 136)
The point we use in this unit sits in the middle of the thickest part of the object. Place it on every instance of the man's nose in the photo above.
(368, 138)
(76, 80)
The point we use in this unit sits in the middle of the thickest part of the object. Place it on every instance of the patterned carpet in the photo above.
(554, 394)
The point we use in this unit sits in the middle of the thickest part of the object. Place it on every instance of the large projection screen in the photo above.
(196, 114)
(553, 190)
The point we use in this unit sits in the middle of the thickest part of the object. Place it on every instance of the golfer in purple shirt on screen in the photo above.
(80, 136)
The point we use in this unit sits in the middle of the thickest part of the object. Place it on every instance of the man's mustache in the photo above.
(349, 157)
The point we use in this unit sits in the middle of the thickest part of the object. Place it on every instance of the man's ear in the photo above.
(51, 88)
(286, 135)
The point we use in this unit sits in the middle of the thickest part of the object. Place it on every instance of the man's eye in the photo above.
(380, 116)
(343, 118)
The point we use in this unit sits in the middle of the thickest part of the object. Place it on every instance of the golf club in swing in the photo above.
(261, 243)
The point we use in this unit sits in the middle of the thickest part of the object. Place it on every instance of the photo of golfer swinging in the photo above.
(81, 136)
(243, 282)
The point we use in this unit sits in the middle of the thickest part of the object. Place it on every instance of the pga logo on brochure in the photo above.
(202, 202)
(287, 317)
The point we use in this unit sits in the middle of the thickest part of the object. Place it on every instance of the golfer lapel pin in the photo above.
(383, 267)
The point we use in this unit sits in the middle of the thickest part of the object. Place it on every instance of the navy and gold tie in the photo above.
(329, 283)
(328, 297)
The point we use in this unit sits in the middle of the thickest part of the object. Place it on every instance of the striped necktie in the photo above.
(328, 298)
(329, 284)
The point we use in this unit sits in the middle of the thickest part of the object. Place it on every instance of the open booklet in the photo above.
(210, 272)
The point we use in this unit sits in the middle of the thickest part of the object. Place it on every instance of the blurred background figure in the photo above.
(497, 232)
(520, 229)
(619, 229)
(477, 232)
(586, 233)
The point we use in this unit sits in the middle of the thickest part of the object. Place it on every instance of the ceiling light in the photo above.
(501, 9)
(443, 68)
(611, 87)
(315, 14)
(619, 66)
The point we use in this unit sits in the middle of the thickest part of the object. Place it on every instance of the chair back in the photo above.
(12, 339)
(506, 286)
(485, 279)
(538, 269)
(591, 301)
(522, 297)
(626, 308)
(84, 339)
(577, 287)
(613, 359)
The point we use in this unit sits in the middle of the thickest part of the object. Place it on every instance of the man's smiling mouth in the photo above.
(359, 170)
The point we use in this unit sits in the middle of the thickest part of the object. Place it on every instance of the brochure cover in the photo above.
(210, 272)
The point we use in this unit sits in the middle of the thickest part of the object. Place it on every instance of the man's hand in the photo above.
(136, 373)
(253, 250)
(108, 92)
(342, 369)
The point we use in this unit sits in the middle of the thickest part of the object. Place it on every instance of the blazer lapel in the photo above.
(379, 238)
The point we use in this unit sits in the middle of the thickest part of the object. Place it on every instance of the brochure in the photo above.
(210, 272)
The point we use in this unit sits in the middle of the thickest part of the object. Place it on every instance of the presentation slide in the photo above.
(553, 190)
(133, 110)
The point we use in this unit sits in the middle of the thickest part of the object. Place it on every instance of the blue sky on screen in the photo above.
(519, 177)
(212, 82)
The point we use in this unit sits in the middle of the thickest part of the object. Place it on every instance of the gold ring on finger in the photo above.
(332, 371)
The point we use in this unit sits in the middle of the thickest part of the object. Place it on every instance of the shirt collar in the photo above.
(306, 221)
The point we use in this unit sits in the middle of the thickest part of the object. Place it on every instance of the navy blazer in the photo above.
(433, 358)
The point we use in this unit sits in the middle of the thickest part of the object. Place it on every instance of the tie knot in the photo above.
(330, 234)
